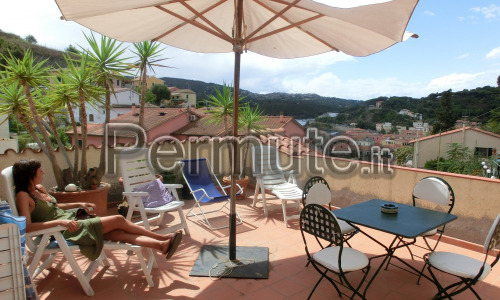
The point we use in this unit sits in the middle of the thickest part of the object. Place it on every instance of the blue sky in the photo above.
(458, 48)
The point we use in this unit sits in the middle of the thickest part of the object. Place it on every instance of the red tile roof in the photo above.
(206, 127)
(286, 145)
(152, 118)
(456, 131)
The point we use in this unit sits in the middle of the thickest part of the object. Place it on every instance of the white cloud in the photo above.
(463, 56)
(457, 81)
(429, 13)
(489, 12)
(495, 53)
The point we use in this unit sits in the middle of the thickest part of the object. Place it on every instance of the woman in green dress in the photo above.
(42, 211)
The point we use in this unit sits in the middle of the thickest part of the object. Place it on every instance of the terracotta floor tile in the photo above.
(288, 277)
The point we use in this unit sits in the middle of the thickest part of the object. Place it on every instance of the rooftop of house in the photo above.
(153, 116)
(457, 131)
(208, 127)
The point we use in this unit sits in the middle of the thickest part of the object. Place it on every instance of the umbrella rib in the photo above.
(275, 16)
(249, 38)
(217, 32)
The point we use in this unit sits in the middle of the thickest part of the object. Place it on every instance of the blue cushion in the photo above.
(158, 194)
(7, 217)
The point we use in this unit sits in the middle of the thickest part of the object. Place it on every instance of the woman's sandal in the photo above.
(173, 244)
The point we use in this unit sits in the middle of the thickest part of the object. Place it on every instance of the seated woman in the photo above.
(42, 211)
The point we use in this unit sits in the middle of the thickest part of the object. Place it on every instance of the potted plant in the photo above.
(85, 80)
(249, 120)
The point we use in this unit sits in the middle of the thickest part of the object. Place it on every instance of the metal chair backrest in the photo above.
(10, 191)
(493, 238)
(321, 223)
(136, 168)
(435, 190)
(319, 194)
(266, 162)
(198, 176)
(310, 183)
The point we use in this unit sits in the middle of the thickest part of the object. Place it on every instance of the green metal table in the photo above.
(409, 222)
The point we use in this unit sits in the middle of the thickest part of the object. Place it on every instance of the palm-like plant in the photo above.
(222, 103)
(81, 80)
(61, 95)
(148, 53)
(250, 119)
(13, 103)
(29, 75)
(108, 61)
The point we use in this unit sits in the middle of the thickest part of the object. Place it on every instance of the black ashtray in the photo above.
(389, 208)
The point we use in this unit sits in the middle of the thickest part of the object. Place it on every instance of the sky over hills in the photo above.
(458, 48)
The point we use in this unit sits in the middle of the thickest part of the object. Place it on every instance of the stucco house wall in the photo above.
(121, 103)
(431, 148)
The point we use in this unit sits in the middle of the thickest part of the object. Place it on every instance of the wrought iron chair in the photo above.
(198, 176)
(41, 243)
(136, 171)
(317, 190)
(435, 190)
(319, 222)
(468, 270)
(267, 169)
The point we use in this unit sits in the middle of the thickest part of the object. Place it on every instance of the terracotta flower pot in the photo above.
(99, 197)
(242, 182)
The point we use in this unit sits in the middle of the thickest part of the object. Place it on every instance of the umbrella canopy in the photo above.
(275, 28)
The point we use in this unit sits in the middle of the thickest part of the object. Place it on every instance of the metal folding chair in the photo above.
(316, 190)
(436, 191)
(319, 222)
(198, 176)
(469, 270)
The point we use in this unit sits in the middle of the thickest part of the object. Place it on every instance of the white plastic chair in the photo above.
(270, 176)
(39, 243)
(469, 270)
(11, 264)
(136, 171)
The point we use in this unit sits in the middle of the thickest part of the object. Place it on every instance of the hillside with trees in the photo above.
(16, 45)
(477, 105)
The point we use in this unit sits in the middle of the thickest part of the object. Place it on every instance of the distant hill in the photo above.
(296, 105)
(475, 105)
(17, 45)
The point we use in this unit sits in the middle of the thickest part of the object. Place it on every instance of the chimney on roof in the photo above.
(282, 120)
(162, 113)
(133, 109)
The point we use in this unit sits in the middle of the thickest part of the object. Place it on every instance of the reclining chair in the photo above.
(198, 176)
(270, 176)
(40, 243)
(136, 171)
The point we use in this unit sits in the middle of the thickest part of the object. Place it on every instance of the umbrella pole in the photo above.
(236, 94)
(232, 214)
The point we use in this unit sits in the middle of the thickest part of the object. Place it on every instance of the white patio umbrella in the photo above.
(275, 28)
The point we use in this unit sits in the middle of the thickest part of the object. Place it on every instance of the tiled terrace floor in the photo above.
(288, 276)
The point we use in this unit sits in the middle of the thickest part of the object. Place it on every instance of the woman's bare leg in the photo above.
(118, 222)
(136, 239)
